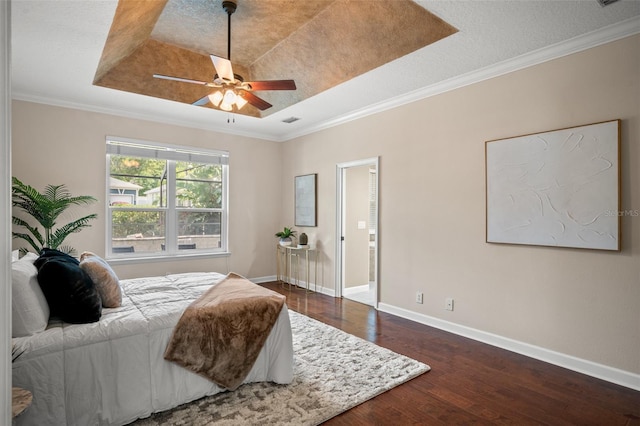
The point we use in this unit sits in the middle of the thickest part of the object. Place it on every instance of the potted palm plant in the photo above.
(45, 209)
(286, 236)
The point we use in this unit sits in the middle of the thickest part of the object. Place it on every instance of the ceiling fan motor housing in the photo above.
(229, 6)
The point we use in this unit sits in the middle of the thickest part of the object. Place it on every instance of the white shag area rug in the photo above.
(334, 371)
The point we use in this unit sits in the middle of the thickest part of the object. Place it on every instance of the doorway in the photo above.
(357, 231)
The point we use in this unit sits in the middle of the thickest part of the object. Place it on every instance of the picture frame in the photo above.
(306, 200)
(557, 188)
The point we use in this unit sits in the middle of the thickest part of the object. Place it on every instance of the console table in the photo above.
(288, 265)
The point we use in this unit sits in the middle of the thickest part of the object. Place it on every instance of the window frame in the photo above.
(172, 154)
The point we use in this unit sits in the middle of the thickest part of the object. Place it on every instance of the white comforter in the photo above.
(113, 372)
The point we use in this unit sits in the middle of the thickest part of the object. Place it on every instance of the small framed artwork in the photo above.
(305, 200)
(558, 188)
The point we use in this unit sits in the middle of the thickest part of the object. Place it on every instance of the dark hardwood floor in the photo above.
(469, 382)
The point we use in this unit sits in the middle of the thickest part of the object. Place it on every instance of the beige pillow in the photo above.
(103, 277)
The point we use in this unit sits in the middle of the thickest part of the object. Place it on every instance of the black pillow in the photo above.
(70, 292)
(47, 253)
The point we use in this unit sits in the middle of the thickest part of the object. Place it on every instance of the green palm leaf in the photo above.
(46, 208)
(59, 235)
(33, 230)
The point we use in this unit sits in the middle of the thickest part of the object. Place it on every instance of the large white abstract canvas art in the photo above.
(558, 188)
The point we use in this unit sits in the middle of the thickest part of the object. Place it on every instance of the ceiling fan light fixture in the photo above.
(227, 100)
(215, 98)
(229, 97)
(240, 102)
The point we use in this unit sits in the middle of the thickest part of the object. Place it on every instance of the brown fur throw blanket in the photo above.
(220, 335)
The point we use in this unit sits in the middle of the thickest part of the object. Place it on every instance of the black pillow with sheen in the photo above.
(70, 292)
(47, 253)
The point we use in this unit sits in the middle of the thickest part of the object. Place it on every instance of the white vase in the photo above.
(285, 242)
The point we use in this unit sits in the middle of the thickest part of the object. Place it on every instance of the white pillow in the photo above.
(30, 311)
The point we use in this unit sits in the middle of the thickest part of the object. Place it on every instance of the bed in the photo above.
(112, 372)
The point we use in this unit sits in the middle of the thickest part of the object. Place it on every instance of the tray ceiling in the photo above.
(319, 44)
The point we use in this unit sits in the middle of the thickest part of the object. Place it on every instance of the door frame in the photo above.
(340, 204)
(5, 210)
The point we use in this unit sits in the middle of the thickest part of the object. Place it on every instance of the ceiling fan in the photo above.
(232, 89)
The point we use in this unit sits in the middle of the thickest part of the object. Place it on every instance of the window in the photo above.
(165, 200)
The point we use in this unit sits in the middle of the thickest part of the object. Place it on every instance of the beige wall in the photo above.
(53, 145)
(432, 207)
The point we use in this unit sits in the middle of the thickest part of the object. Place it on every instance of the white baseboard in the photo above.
(600, 371)
(320, 289)
(259, 280)
(328, 291)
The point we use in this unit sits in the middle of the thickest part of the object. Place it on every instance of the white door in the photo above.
(357, 231)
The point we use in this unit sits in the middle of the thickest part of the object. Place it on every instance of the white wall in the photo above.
(578, 303)
(54, 145)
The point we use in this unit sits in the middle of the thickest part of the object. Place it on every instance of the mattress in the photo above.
(112, 372)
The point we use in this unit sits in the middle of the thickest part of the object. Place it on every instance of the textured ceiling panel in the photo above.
(257, 26)
(346, 40)
(134, 23)
(317, 43)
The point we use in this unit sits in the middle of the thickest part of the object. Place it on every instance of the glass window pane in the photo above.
(137, 182)
(198, 185)
(141, 201)
(137, 231)
(199, 230)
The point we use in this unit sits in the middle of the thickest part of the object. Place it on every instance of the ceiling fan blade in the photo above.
(183, 80)
(272, 85)
(223, 68)
(257, 102)
(201, 101)
(186, 80)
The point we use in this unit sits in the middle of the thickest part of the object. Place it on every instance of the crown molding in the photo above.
(137, 116)
(577, 44)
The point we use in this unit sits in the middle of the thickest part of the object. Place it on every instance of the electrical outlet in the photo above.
(448, 304)
(419, 297)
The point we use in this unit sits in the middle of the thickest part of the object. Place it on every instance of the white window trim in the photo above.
(176, 153)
